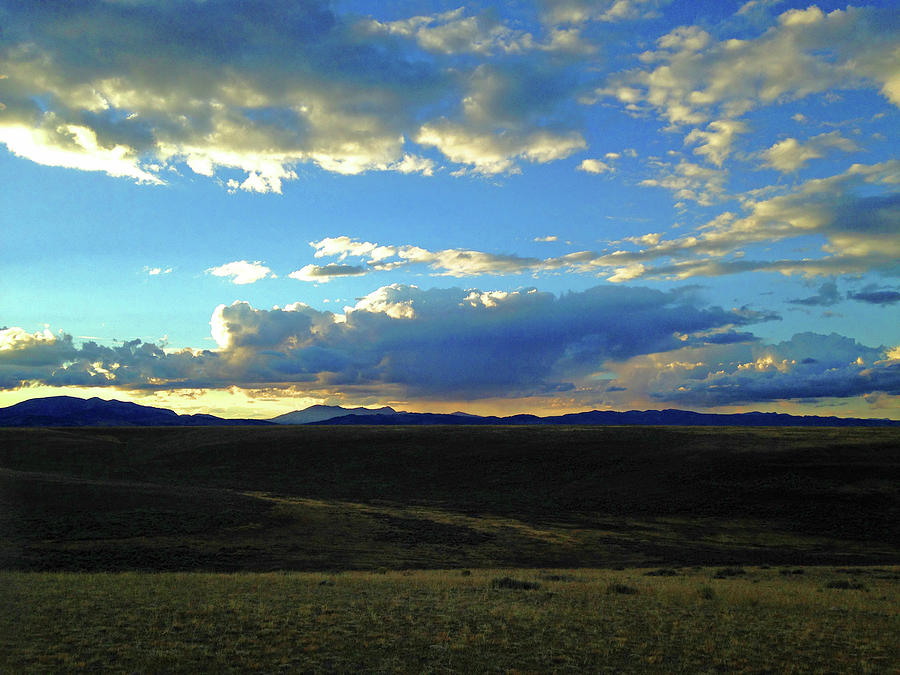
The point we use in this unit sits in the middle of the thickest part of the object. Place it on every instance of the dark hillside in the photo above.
(423, 496)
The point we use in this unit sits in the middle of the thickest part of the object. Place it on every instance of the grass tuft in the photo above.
(517, 584)
(846, 585)
(664, 572)
(621, 589)
(707, 593)
(729, 572)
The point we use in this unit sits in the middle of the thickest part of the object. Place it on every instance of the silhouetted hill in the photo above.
(317, 413)
(611, 418)
(70, 411)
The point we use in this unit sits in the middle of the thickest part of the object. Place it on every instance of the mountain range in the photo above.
(69, 411)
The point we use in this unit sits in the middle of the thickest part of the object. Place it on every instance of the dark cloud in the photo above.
(810, 366)
(876, 296)
(826, 297)
(438, 343)
(264, 86)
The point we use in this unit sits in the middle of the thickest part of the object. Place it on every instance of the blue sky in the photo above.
(247, 208)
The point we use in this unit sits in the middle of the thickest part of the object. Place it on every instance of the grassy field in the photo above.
(692, 620)
(314, 498)
(386, 549)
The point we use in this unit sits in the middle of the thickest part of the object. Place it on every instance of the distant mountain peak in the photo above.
(71, 411)
(319, 412)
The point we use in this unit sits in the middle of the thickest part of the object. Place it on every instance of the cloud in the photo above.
(689, 181)
(438, 343)
(453, 32)
(321, 274)
(156, 271)
(143, 87)
(789, 155)
(446, 262)
(242, 272)
(809, 366)
(873, 295)
(826, 297)
(549, 237)
(855, 213)
(692, 77)
(595, 166)
(707, 85)
(715, 143)
(582, 11)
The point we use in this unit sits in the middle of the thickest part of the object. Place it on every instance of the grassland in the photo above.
(303, 498)
(687, 620)
(510, 549)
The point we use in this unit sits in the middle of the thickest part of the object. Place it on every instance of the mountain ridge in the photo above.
(70, 411)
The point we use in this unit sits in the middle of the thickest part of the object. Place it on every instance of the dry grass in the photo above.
(440, 621)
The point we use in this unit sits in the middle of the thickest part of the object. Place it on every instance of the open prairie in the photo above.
(438, 549)
(661, 620)
(329, 498)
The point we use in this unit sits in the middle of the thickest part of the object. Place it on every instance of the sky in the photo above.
(544, 206)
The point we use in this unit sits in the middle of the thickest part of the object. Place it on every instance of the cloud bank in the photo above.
(218, 86)
(439, 343)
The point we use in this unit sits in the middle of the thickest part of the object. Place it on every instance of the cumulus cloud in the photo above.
(611, 11)
(827, 296)
(873, 295)
(446, 262)
(705, 86)
(856, 214)
(715, 143)
(790, 154)
(692, 77)
(224, 86)
(595, 166)
(440, 343)
(689, 181)
(242, 271)
(809, 366)
(323, 273)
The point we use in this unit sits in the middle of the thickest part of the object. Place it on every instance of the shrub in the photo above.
(622, 589)
(707, 593)
(727, 572)
(509, 582)
(664, 572)
(558, 577)
(466, 573)
(846, 585)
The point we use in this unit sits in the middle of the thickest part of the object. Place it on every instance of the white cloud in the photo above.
(324, 273)
(857, 213)
(347, 95)
(595, 166)
(439, 343)
(715, 143)
(488, 152)
(156, 271)
(576, 12)
(692, 80)
(242, 271)
(690, 182)
(56, 143)
(790, 154)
